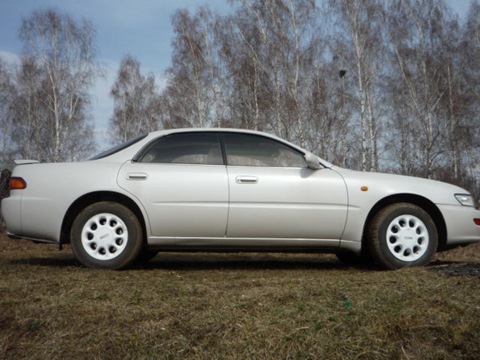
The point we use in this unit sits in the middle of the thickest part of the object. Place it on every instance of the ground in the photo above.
(236, 306)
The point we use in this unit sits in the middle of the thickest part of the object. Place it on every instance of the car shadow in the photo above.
(202, 261)
(193, 262)
(61, 261)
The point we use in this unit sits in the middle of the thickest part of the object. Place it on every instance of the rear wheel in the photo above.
(402, 235)
(106, 235)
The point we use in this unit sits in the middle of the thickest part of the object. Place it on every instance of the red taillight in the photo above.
(476, 221)
(17, 183)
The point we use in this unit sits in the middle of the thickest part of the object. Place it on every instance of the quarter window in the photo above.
(187, 148)
(253, 150)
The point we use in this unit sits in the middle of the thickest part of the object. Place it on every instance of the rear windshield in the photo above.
(118, 148)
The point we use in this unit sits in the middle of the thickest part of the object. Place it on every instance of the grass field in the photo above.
(235, 306)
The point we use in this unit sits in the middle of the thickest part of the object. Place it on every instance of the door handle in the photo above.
(246, 179)
(137, 176)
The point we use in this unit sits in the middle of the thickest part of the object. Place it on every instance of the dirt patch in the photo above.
(468, 269)
(461, 261)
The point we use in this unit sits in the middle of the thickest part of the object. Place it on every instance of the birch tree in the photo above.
(31, 131)
(136, 102)
(469, 63)
(7, 94)
(360, 24)
(192, 97)
(266, 61)
(59, 54)
(419, 36)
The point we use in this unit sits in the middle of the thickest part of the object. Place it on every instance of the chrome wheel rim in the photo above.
(407, 238)
(104, 236)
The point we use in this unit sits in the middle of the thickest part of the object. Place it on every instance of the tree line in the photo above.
(372, 85)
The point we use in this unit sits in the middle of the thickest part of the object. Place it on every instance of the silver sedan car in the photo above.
(232, 190)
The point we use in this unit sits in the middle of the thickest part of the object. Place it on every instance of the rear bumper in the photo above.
(11, 213)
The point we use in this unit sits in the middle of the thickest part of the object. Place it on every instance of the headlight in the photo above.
(465, 199)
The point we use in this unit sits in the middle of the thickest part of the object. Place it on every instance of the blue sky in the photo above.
(141, 28)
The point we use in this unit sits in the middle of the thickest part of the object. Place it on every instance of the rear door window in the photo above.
(185, 148)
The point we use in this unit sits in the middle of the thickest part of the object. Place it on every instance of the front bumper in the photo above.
(461, 228)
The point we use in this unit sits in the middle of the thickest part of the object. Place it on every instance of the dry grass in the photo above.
(233, 306)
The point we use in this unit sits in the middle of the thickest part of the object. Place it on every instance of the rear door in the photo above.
(182, 182)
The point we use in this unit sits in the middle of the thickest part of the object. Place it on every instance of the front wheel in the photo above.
(402, 235)
(106, 235)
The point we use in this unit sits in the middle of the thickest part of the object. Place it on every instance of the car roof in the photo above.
(219, 129)
(236, 130)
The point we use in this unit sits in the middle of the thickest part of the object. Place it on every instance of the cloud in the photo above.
(11, 58)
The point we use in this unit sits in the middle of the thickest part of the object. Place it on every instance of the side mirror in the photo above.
(312, 161)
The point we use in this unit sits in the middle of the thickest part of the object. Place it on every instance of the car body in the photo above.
(232, 190)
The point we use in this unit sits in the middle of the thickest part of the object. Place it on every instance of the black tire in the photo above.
(402, 235)
(106, 235)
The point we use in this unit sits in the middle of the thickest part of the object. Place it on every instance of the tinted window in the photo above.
(188, 148)
(118, 148)
(253, 150)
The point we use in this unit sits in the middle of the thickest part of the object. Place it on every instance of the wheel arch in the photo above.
(94, 197)
(417, 200)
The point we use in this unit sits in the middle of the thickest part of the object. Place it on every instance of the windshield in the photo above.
(118, 148)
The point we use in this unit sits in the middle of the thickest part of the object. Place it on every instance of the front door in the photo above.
(274, 195)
